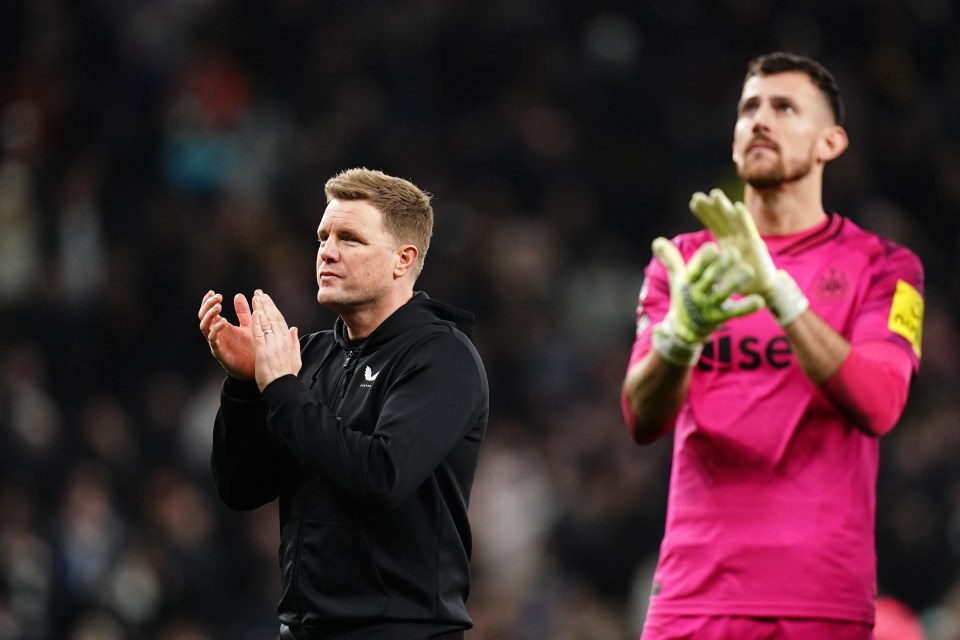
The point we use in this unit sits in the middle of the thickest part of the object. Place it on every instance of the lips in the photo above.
(759, 144)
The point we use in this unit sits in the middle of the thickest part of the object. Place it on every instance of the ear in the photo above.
(833, 141)
(406, 260)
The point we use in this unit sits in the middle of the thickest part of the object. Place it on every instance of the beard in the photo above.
(773, 175)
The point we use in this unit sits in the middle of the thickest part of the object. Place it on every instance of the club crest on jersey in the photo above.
(831, 286)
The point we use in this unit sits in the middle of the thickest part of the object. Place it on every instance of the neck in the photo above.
(788, 208)
(362, 321)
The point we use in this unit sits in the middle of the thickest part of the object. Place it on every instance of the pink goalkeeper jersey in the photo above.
(772, 491)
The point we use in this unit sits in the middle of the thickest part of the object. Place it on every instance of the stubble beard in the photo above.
(339, 302)
(773, 176)
(348, 302)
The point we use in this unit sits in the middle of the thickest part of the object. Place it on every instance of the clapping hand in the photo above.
(734, 228)
(231, 344)
(276, 346)
(701, 297)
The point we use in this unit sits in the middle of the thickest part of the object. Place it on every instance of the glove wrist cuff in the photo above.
(672, 347)
(785, 299)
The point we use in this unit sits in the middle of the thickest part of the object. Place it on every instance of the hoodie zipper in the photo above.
(343, 381)
(346, 373)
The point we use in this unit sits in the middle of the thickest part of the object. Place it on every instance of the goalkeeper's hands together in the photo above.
(700, 297)
(733, 227)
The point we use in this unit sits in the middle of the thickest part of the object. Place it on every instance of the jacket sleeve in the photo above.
(434, 399)
(246, 460)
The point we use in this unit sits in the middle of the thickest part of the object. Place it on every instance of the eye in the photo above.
(749, 106)
(785, 106)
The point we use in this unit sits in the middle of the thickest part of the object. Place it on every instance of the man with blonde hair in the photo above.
(368, 434)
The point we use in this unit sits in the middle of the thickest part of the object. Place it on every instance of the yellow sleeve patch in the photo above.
(906, 314)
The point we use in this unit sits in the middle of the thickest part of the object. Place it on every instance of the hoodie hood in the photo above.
(419, 310)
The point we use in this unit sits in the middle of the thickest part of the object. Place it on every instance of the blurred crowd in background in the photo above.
(151, 150)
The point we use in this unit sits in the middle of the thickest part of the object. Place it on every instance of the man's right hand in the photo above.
(231, 345)
(700, 298)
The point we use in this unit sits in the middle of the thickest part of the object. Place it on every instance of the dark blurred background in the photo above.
(153, 149)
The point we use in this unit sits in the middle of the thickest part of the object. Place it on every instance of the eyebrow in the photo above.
(343, 230)
(775, 100)
(784, 100)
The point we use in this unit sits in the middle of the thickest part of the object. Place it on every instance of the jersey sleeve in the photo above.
(652, 307)
(893, 305)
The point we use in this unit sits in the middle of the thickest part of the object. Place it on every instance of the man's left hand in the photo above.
(733, 226)
(276, 346)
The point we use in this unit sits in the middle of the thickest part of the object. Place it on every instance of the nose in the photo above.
(761, 118)
(328, 251)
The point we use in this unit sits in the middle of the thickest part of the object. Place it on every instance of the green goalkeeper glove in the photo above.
(700, 298)
(733, 226)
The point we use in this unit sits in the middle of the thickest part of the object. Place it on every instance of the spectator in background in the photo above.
(368, 434)
(778, 413)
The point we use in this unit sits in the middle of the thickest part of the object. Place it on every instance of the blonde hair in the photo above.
(406, 209)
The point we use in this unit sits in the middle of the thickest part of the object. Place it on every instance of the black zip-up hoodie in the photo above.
(372, 450)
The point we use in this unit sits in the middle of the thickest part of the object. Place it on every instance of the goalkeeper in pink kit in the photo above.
(779, 344)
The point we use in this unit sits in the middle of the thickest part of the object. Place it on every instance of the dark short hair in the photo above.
(781, 62)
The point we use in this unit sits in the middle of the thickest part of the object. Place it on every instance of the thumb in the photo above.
(242, 307)
(745, 222)
(294, 334)
(669, 255)
(742, 306)
(701, 206)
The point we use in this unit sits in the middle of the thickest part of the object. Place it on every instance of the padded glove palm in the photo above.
(733, 227)
(700, 298)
